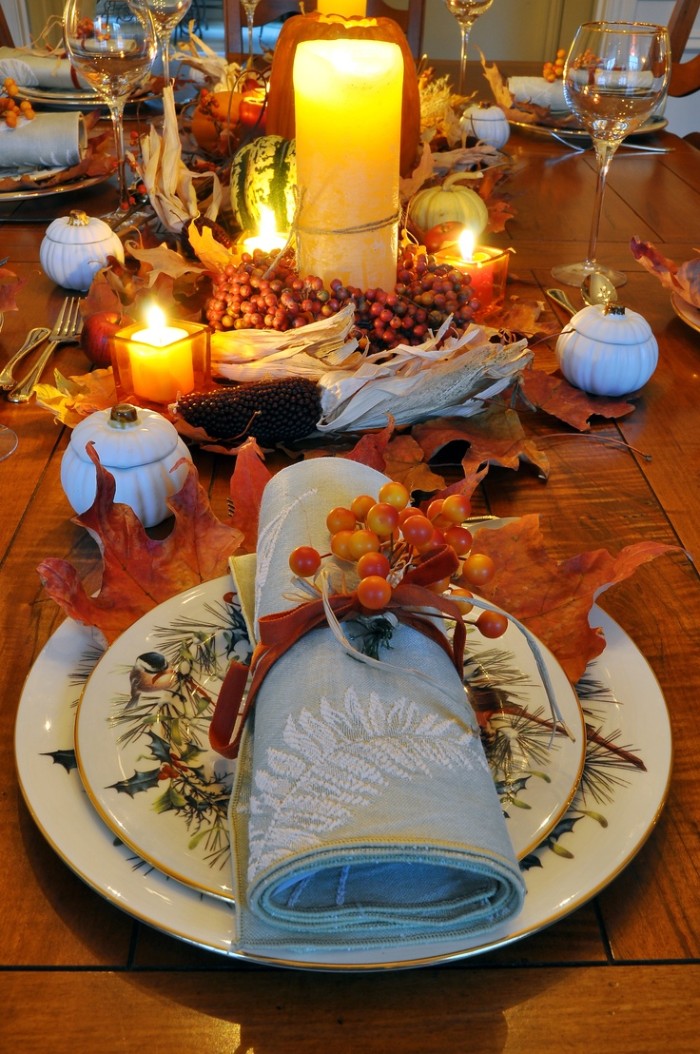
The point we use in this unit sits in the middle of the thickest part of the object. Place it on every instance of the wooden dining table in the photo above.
(622, 971)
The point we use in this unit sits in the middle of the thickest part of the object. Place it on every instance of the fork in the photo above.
(66, 331)
(35, 336)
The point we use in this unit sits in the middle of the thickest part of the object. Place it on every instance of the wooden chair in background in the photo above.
(410, 19)
(6, 40)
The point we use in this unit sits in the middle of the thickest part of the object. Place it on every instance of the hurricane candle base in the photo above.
(154, 367)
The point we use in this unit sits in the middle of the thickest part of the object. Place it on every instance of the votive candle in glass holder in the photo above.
(487, 268)
(156, 362)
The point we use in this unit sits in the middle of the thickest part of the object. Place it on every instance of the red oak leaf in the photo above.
(553, 394)
(495, 436)
(249, 479)
(370, 448)
(553, 598)
(405, 462)
(140, 572)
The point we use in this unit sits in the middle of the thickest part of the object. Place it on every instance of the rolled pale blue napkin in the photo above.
(37, 69)
(363, 811)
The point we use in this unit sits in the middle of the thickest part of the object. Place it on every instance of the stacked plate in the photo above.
(130, 728)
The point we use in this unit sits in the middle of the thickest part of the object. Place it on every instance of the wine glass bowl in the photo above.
(112, 45)
(615, 76)
(466, 12)
(166, 15)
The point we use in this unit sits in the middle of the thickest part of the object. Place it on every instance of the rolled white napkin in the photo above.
(37, 69)
(538, 91)
(50, 140)
(363, 810)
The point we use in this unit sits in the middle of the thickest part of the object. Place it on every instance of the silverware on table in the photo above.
(560, 297)
(66, 331)
(34, 337)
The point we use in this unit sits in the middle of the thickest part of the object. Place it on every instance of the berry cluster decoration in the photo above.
(554, 70)
(10, 109)
(385, 538)
(260, 293)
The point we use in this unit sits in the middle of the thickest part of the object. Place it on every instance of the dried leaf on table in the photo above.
(552, 393)
(164, 260)
(405, 462)
(171, 187)
(553, 598)
(371, 448)
(10, 286)
(248, 482)
(70, 399)
(523, 316)
(683, 279)
(140, 572)
(495, 437)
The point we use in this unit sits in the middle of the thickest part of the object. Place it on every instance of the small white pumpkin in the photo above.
(76, 247)
(139, 448)
(450, 202)
(607, 350)
(488, 124)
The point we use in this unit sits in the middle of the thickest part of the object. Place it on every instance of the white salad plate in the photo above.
(143, 754)
(619, 800)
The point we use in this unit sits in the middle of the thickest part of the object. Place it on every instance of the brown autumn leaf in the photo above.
(71, 399)
(248, 481)
(370, 448)
(552, 393)
(140, 572)
(495, 436)
(553, 598)
(405, 461)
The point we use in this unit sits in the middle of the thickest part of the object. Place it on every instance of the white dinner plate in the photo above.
(142, 735)
(623, 789)
(76, 98)
(685, 311)
(565, 131)
(40, 191)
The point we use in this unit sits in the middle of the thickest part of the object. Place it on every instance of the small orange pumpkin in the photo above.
(315, 26)
(217, 116)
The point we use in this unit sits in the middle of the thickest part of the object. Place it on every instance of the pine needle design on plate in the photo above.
(607, 765)
(170, 704)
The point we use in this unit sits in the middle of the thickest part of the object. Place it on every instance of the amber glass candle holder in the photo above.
(154, 366)
(488, 270)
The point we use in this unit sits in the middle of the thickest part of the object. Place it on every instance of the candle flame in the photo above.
(467, 241)
(155, 317)
(267, 227)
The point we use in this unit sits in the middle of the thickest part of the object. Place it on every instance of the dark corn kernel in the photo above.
(273, 412)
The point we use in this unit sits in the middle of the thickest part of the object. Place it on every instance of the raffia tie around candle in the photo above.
(348, 98)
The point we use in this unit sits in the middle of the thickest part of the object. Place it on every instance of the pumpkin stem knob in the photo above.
(123, 415)
(614, 309)
(78, 218)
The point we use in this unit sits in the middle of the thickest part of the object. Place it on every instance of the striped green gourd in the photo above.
(263, 173)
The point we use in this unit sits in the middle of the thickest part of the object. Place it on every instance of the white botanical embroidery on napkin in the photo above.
(339, 761)
(267, 542)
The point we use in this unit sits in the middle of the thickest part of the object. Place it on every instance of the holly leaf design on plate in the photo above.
(553, 598)
(140, 781)
(140, 572)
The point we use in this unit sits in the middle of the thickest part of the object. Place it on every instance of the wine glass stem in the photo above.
(250, 15)
(604, 155)
(116, 110)
(165, 52)
(465, 28)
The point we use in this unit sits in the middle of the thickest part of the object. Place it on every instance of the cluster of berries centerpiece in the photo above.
(386, 540)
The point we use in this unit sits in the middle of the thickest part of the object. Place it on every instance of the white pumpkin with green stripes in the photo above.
(264, 174)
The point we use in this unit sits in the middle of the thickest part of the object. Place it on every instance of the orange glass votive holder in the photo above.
(154, 366)
(488, 270)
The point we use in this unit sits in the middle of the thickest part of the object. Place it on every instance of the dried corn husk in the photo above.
(453, 377)
(216, 72)
(252, 354)
(171, 187)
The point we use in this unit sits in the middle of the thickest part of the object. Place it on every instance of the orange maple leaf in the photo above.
(140, 572)
(495, 436)
(553, 598)
(250, 476)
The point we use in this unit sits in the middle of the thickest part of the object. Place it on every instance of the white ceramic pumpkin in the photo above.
(76, 247)
(607, 350)
(449, 202)
(139, 448)
(488, 124)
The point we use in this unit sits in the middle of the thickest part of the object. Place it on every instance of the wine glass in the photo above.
(466, 12)
(615, 75)
(112, 45)
(249, 8)
(166, 15)
(8, 441)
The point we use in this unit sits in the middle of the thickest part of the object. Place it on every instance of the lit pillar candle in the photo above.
(160, 357)
(348, 99)
(346, 8)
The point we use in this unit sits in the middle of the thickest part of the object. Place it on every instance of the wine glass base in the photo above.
(574, 274)
(8, 442)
